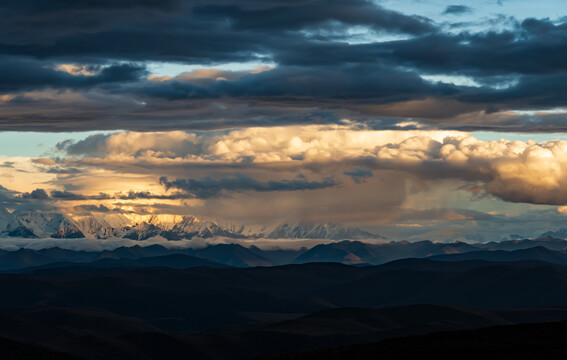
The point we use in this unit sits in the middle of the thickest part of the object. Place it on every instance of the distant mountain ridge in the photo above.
(227, 255)
(36, 224)
(235, 255)
(537, 253)
(356, 252)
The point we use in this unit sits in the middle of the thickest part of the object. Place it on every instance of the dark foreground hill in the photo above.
(96, 334)
(201, 298)
(14, 350)
(539, 253)
(230, 313)
(524, 341)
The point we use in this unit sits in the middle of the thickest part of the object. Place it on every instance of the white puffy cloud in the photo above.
(515, 171)
(512, 170)
(258, 145)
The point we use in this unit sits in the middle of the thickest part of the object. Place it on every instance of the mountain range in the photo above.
(37, 224)
(235, 255)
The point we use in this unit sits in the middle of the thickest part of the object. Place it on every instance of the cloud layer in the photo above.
(515, 171)
(323, 61)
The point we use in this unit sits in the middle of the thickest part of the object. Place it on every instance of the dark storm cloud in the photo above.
(307, 14)
(532, 47)
(91, 208)
(66, 195)
(526, 93)
(208, 187)
(9, 197)
(63, 171)
(359, 175)
(17, 74)
(37, 194)
(457, 10)
(217, 30)
(134, 195)
(23, 201)
(56, 195)
(295, 85)
(320, 76)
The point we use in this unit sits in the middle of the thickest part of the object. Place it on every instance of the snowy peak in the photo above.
(68, 230)
(102, 226)
(7, 221)
(559, 234)
(40, 224)
(32, 224)
(171, 227)
(329, 231)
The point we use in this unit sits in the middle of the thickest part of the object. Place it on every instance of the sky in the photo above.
(439, 120)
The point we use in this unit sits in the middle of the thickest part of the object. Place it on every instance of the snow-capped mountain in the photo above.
(559, 234)
(102, 226)
(329, 231)
(7, 221)
(45, 224)
(179, 227)
(171, 227)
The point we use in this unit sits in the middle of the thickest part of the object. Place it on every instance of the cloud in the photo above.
(43, 161)
(514, 171)
(306, 14)
(91, 208)
(20, 74)
(444, 214)
(37, 194)
(136, 195)
(359, 175)
(66, 195)
(246, 147)
(157, 144)
(95, 74)
(524, 47)
(208, 187)
(457, 10)
(17, 201)
(417, 176)
(110, 31)
(208, 76)
(63, 171)
(7, 196)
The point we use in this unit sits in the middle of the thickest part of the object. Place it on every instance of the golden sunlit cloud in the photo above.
(75, 69)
